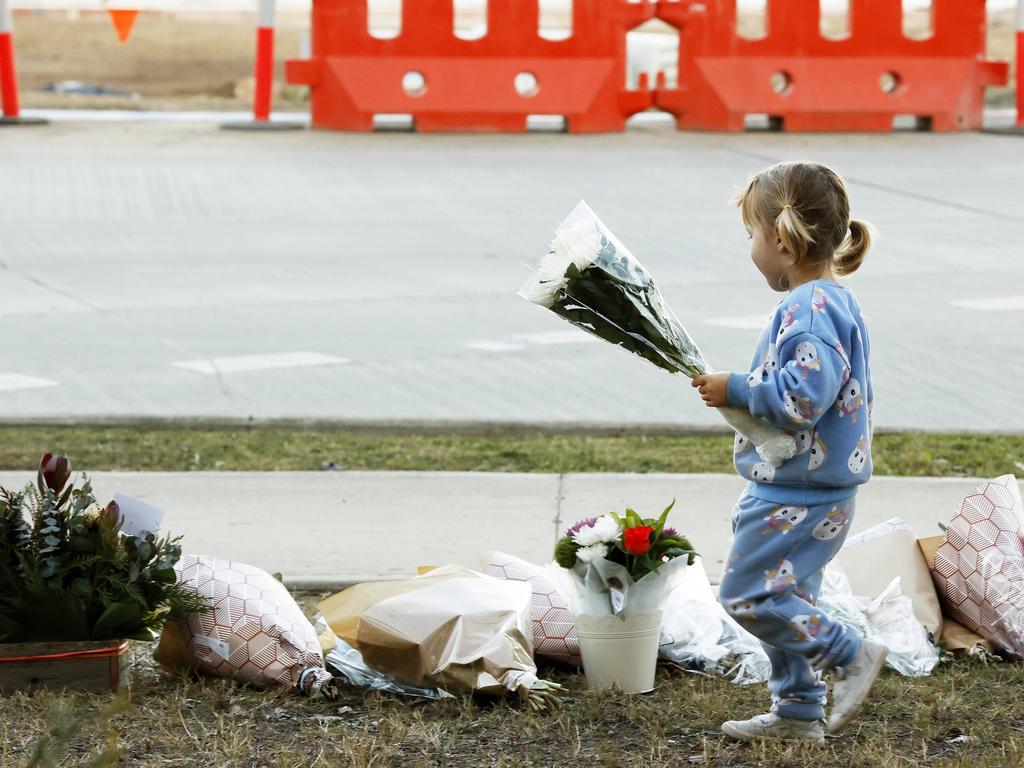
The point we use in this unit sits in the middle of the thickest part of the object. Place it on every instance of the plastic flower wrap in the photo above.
(589, 278)
(622, 566)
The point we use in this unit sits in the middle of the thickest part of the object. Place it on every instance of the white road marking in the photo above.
(522, 340)
(999, 304)
(570, 336)
(493, 346)
(243, 363)
(13, 381)
(752, 322)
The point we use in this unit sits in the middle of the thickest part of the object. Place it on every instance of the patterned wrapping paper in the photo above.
(979, 567)
(554, 632)
(253, 631)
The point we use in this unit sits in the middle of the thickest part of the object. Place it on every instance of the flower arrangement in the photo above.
(639, 544)
(591, 280)
(68, 572)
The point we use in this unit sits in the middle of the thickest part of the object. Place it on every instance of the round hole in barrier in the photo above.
(889, 82)
(781, 82)
(526, 84)
(414, 83)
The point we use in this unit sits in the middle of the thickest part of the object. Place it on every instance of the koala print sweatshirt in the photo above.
(810, 377)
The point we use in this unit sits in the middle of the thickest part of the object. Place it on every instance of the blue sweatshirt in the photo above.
(811, 378)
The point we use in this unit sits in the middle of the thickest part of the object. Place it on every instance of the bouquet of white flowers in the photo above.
(588, 277)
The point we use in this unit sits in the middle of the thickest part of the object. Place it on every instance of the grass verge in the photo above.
(967, 713)
(280, 448)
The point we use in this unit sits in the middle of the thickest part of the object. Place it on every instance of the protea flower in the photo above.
(54, 472)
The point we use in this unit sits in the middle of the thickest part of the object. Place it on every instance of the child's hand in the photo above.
(714, 389)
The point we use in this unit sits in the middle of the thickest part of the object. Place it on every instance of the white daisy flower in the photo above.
(591, 553)
(607, 529)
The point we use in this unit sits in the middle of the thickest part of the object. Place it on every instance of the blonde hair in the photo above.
(806, 204)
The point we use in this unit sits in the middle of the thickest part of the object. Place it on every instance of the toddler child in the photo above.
(811, 377)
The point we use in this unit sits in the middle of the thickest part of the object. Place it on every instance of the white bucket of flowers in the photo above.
(617, 572)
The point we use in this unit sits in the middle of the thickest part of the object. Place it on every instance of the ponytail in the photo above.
(851, 252)
(795, 235)
(807, 206)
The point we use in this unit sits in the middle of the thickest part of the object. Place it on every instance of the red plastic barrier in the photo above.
(1020, 63)
(805, 82)
(468, 85)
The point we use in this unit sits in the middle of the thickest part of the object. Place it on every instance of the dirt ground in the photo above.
(204, 61)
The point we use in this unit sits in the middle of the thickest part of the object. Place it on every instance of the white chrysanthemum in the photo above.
(591, 553)
(603, 531)
(587, 536)
(607, 529)
(577, 244)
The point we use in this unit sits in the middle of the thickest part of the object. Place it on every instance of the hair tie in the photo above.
(787, 205)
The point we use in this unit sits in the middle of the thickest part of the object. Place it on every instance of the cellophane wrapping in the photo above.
(697, 633)
(887, 618)
(603, 588)
(591, 279)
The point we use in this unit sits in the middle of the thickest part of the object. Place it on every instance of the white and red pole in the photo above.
(264, 73)
(8, 75)
(10, 109)
(264, 61)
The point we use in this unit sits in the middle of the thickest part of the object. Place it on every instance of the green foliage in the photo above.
(565, 552)
(68, 572)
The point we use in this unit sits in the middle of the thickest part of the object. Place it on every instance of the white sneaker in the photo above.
(853, 682)
(771, 726)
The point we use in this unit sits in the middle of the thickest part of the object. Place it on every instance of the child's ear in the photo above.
(778, 244)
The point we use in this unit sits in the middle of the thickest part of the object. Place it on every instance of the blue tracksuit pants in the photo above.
(772, 578)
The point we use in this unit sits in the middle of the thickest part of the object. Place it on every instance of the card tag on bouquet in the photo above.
(212, 644)
(618, 598)
(138, 517)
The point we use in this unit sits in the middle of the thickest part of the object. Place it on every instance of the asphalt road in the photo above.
(174, 270)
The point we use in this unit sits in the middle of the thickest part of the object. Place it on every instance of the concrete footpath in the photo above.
(329, 529)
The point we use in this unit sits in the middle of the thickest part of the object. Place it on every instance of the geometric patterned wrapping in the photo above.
(253, 632)
(554, 631)
(979, 567)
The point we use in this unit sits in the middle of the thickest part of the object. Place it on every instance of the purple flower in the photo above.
(669, 533)
(588, 522)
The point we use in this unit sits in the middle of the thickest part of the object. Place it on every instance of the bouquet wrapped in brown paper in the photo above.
(451, 628)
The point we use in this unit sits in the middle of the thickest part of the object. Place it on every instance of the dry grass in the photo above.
(207, 722)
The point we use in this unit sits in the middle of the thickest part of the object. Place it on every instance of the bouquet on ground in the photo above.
(68, 572)
(589, 278)
(621, 565)
(616, 572)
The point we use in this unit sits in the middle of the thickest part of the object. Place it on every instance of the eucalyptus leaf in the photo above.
(118, 620)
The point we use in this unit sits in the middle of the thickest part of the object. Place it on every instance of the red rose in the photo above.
(637, 540)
